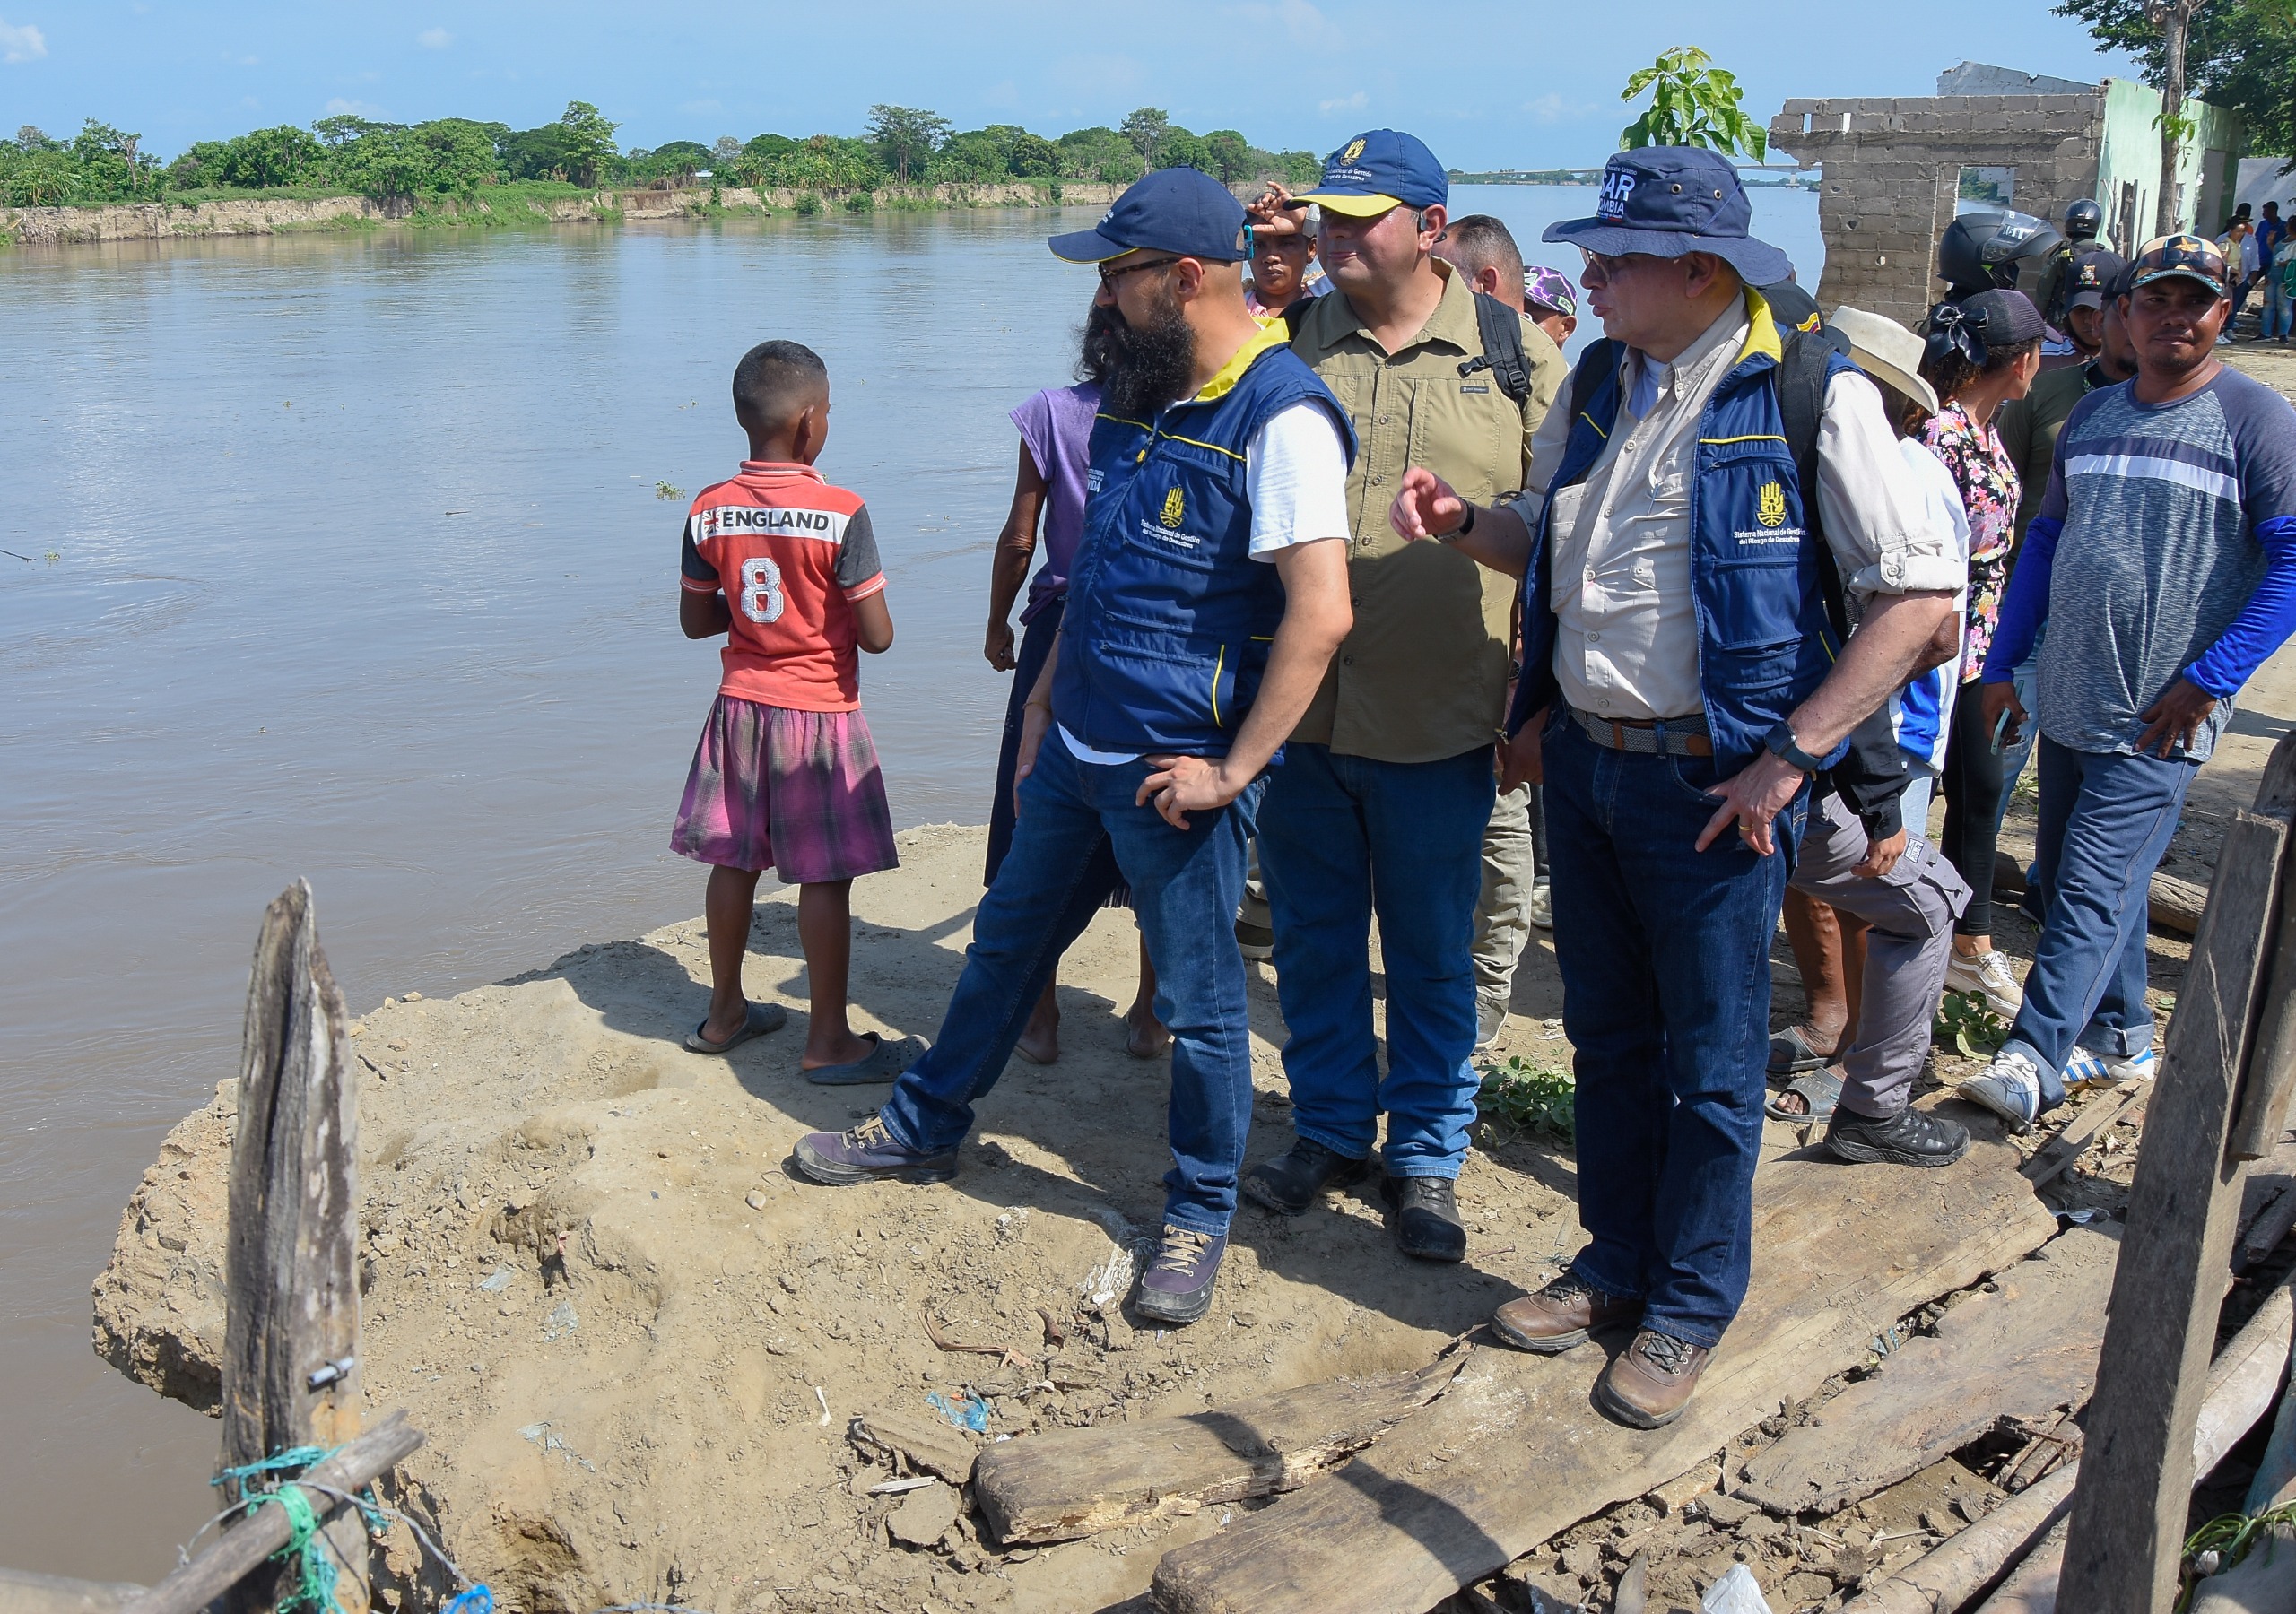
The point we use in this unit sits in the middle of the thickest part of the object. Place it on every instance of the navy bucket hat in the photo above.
(1670, 201)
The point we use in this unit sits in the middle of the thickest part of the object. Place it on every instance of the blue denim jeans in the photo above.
(1076, 819)
(1664, 954)
(2277, 309)
(1341, 837)
(2106, 819)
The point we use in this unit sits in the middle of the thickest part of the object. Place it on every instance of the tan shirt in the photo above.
(1620, 575)
(1424, 673)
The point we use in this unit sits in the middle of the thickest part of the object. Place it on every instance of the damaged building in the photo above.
(1898, 168)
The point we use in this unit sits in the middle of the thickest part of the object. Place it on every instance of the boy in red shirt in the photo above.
(786, 776)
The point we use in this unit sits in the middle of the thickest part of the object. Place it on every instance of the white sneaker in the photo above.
(1989, 976)
(2009, 1086)
(2090, 1069)
(1543, 905)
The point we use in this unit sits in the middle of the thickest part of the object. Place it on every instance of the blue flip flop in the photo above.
(763, 1017)
(882, 1063)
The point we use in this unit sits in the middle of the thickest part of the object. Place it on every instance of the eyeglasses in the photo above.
(1602, 267)
(1108, 277)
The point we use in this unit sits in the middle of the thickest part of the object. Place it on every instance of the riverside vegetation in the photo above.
(450, 160)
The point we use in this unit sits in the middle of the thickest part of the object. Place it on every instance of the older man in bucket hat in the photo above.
(1681, 668)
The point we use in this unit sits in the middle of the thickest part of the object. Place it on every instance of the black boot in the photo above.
(1427, 1218)
(1291, 1182)
(1911, 1137)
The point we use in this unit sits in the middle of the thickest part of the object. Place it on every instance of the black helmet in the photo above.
(1987, 251)
(2083, 219)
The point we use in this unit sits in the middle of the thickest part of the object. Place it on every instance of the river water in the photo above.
(346, 561)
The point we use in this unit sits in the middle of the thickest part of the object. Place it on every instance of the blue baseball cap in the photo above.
(1181, 210)
(1671, 201)
(1378, 170)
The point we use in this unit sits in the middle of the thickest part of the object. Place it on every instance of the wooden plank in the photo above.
(1077, 1482)
(1515, 1451)
(2242, 1385)
(2023, 1351)
(2055, 1157)
(241, 1549)
(23, 1593)
(2122, 1550)
(2272, 1068)
(291, 1372)
(2175, 904)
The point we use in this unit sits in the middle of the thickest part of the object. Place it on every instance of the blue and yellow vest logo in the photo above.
(1174, 509)
(1771, 511)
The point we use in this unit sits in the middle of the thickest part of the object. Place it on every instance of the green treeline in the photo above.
(458, 157)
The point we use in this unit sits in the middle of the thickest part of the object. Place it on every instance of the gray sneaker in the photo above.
(2009, 1086)
(1543, 905)
(1177, 1287)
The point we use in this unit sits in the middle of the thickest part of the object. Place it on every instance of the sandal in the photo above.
(1790, 1050)
(1819, 1091)
(886, 1060)
(762, 1018)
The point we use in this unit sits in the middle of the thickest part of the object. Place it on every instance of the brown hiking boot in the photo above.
(1561, 1315)
(1649, 1384)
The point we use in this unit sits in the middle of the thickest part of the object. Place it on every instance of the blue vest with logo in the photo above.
(1168, 618)
(1764, 639)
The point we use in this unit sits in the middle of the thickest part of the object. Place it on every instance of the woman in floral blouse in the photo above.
(1980, 355)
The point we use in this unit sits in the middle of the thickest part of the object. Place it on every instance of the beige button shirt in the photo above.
(1619, 575)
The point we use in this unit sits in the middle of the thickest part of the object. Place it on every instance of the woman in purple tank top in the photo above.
(1056, 433)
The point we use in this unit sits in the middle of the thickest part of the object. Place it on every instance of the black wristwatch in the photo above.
(1466, 526)
(1781, 745)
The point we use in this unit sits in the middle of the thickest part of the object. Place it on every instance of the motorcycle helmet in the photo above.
(1993, 250)
(2084, 221)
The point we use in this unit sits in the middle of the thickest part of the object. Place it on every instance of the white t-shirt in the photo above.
(1295, 476)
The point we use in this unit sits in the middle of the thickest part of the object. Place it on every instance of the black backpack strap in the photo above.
(1596, 365)
(1501, 330)
(1802, 403)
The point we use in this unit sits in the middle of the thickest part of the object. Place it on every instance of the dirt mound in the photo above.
(639, 1348)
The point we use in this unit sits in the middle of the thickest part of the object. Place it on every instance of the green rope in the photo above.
(314, 1568)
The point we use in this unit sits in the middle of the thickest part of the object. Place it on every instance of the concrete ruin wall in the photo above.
(1892, 174)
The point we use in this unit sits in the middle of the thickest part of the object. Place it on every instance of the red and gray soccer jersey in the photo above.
(791, 554)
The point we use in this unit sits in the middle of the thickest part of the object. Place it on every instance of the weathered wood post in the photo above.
(2128, 1513)
(290, 1369)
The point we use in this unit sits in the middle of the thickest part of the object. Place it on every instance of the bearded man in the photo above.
(1209, 592)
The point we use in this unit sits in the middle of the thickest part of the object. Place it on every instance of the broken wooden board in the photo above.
(2024, 1350)
(931, 1445)
(1515, 1451)
(1077, 1482)
(2055, 1157)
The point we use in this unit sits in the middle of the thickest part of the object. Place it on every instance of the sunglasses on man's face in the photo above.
(1602, 267)
(1108, 277)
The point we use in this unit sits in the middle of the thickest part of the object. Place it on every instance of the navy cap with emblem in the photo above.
(1670, 201)
(1181, 210)
(1380, 169)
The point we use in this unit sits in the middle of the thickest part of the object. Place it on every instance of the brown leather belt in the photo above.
(1674, 737)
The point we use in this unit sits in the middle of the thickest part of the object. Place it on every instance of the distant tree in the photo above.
(723, 155)
(905, 137)
(1098, 153)
(589, 148)
(1180, 149)
(1033, 157)
(1147, 128)
(30, 139)
(2238, 55)
(1693, 102)
(344, 128)
(1228, 156)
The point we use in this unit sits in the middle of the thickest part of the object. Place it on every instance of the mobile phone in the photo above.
(2000, 728)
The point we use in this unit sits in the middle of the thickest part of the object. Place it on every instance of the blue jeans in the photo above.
(2027, 681)
(1078, 827)
(2277, 309)
(1341, 837)
(2106, 819)
(1665, 953)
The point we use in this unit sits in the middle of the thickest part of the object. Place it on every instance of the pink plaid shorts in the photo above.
(799, 793)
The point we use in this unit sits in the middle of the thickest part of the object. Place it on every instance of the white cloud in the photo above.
(1553, 108)
(22, 44)
(340, 107)
(434, 38)
(1346, 103)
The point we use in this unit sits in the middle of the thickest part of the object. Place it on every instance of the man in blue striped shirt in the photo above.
(2165, 554)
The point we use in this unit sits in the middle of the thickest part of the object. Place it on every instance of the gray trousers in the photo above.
(1911, 910)
(1502, 915)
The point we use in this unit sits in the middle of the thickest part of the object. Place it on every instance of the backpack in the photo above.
(1501, 328)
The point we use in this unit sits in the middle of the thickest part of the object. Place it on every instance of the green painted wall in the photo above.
(2128, 167)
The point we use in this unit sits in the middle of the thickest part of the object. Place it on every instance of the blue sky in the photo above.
(1486, 85)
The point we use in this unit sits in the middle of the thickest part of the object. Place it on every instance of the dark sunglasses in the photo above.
(1108, 277)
